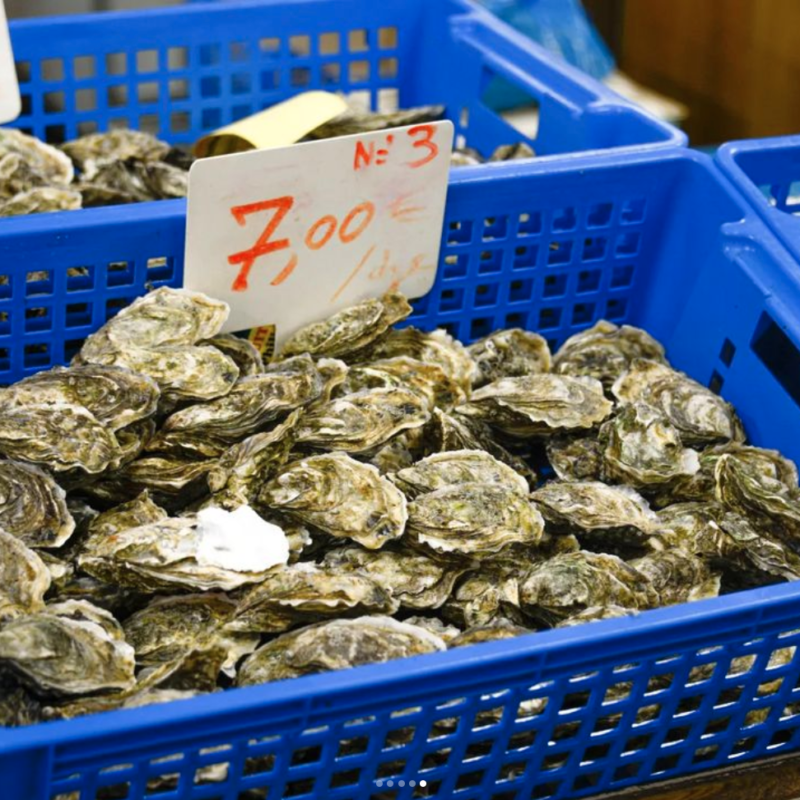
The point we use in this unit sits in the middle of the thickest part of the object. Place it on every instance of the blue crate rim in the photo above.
(741, 613)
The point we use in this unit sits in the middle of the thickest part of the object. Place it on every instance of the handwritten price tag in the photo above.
(10, 103)
(291, 235)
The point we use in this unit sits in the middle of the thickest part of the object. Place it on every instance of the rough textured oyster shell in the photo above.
(241, 351)
(394, 456)
(457, 467)
(570, 583)
(473, 520)
(642, 448)
(17, 175)
(699, 415)
(677, 576)
(24, 578)
(357, 121)
(608, 518)
(536, 405)
(605, 351)
(447, 432)
(41, 200)
(576, 458)
(72, 648)
(116, 397)
(437, 347)
(511, 353)
(116, 145)
(33, 506)
(341, 496)
(484, 598)
(305, 593)
(170, 627)
(413, 579)
(170, 554)
(118, 600)
(132, 514)
(512, 152)
(350, 330)
(428, 380)
(58, 435)
(208, 429)
(48, 163)
(334, 645)
(362, 421)
(18, 705)
(596, 614)
(447, 633)
(493, 632)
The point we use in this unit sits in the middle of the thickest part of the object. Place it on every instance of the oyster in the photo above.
(238, 475)
(209, 429)
(170, 627)
(18, 705)
(47, 163)
(413, 579)
(116, 145)
(341, 496)
(334, 645)
(33, 506)
(465, 157)
(473, 520)
(512, 152)
(358, 121)
(537, 405)
(605, 351)
(24, 578)
(457, 467)
(183, 553)
(116, 397)
(305, 593)
(17, 175)
(428, 380)
(40, 200)
(493, 632)
(132, 514)
(608, 518)
(570, 583)
(576, 458)
(393, 456)
(642, 448)
(241, 351)
(437, 347)
(484, 597)
(677, 576)
(596, 614)
(362, 421)
(511, 353)
(71, 648)
(447, 633)
(57, 435)
(699, 415)
(350, 330)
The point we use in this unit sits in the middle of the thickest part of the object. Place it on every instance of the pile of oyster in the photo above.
(127, 166)
(177, 517)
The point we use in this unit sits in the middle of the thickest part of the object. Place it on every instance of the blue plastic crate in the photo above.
(660, 240)
(767, 171)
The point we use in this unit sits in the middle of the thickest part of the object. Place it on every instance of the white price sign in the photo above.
(10, 103)
(292, 235)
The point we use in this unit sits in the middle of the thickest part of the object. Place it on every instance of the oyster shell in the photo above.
(512, 152)
(570, 583)
(447, 633)
(350, 330)
(57, 435)
(241, 351)
(473, 520)
(334, 645)
(642, 448)
(608, 518)
(699, 415)
(71, 648)
(305, 593)
(24, 578)
(41, 200)
(362, 421)
(677, 576)
(116, 145)
(48, 163)
(596, 614)
(428, 380)
(209, 429)
(413, 579)
(16, 175)
(116, 397)
(605, 351)
(340, 496)
(484, 597)
(18, 705)
(357, 121)
(457, 467)
(576, 458)
(493, 632)
(537, 405)
(169, 627)
(511, 353)
(33, 506)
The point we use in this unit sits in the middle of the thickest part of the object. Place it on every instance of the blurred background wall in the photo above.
(734, 63)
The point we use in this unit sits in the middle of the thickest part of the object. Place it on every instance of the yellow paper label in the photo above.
(279, 126)
(263, 339)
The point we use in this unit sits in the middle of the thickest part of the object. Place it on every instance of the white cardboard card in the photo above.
(10, 103)
(292, 235)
